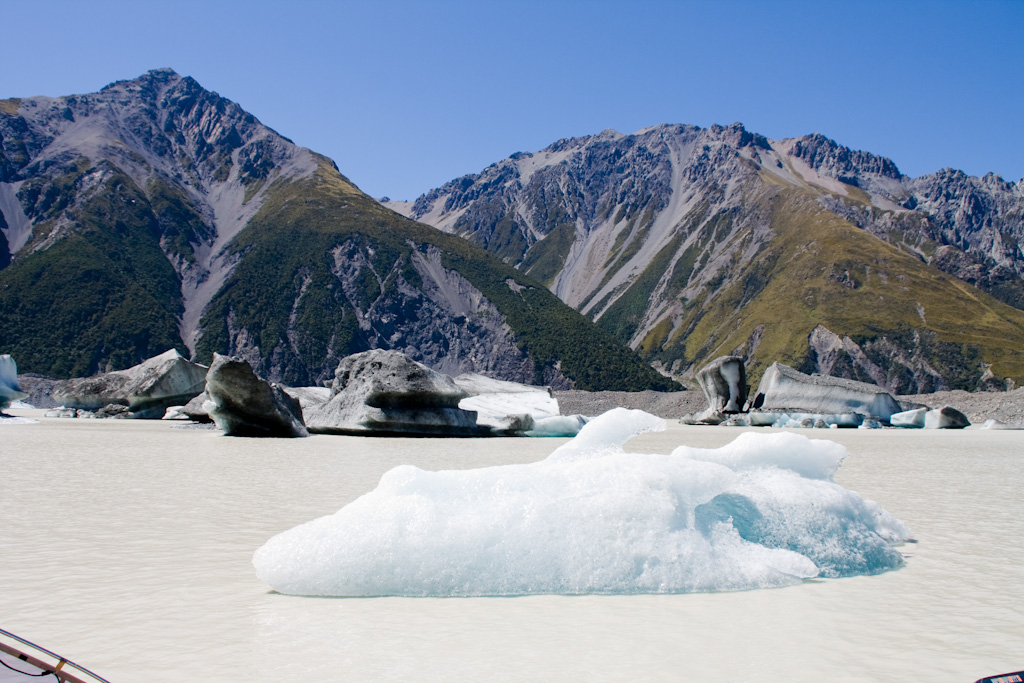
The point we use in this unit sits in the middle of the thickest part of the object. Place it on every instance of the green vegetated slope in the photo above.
(285, 294)
(547, 256)
(819, 269)
(103, 296)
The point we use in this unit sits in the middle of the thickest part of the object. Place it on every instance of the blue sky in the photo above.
(405, 96)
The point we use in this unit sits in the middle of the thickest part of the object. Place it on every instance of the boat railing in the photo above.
(43, 660)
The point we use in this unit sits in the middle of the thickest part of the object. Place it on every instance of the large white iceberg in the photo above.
(762, 511)
(784, 389)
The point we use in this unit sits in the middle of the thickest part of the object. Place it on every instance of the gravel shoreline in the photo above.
(670, 404)
(1005, 406)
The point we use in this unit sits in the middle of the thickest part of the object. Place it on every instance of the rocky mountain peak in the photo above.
(833, 160)
(160, 123)
(738, 136)
(148, 84)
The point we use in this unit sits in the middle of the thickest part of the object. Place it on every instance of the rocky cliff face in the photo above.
(693, 243)
(157, 214)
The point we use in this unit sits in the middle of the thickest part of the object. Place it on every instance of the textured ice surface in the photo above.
(513, 407)
(9, 389)
(909, 418)
(557, 425)
(495, 409)
(762, 511)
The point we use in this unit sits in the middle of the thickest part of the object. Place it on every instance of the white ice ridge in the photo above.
(760, 512)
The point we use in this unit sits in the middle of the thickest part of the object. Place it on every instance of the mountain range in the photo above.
(156, 214)
(690, 243)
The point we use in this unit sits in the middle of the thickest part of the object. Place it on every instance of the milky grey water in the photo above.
(126, 546)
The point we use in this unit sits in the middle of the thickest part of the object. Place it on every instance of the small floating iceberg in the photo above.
(762, 511)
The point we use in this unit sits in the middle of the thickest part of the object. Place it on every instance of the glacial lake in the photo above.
(127, 546)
